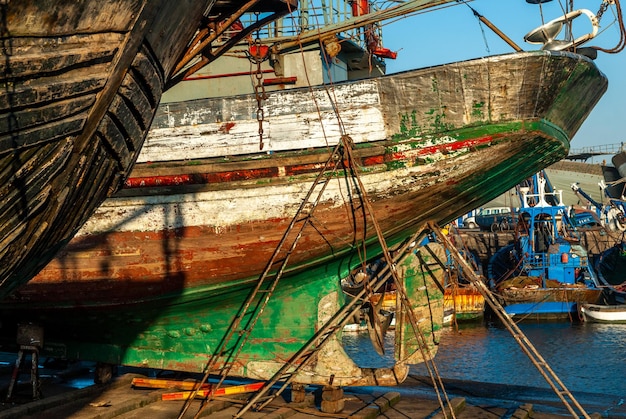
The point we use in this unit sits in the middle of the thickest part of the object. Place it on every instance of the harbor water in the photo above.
(587, 357)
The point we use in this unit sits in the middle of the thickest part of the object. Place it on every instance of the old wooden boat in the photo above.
(598, 313)
(157, 274)
(545, 274)
(82, 81)
(159, 269)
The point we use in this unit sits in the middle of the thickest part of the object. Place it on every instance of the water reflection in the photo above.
(586, 357)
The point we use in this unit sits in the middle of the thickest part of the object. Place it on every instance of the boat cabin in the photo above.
(545, 235)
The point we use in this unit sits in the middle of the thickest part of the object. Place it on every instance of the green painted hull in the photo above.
(181, 332)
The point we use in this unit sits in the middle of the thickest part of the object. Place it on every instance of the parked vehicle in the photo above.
(494, 219)
(470, 222)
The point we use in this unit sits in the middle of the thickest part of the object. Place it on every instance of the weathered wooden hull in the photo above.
(610, 266)
(82, 81)
(547, 303)
(466, 304)
(172, 253)
(199, 219)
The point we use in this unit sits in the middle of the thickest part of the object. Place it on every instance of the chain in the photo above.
(258, 56)
(603, 7)
(259, 90)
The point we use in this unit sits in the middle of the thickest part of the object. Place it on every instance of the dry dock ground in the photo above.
(413, 399)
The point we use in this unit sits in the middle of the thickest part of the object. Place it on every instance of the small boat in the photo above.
(545, 273)
(603, 313)
(462, 301)
(463, 304)
(81, 84)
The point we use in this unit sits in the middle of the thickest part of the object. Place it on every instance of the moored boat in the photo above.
(463, 304)
(545, 274)
(156, 275)
(610, 266)
(462, 301)
(598, 313)
(82, 81)
(611, 263)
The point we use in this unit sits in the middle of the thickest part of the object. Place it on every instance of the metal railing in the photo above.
(317, 14)
(598, 149)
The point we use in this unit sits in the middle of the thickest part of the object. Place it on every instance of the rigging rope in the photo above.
(620, 22)
(352, 177)
(364, 205)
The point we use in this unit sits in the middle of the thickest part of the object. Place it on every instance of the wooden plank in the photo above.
(224, 391)
(161, 383)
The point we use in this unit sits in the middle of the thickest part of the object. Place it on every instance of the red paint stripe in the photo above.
(373, 160)
(455, 145)
(293, 170)
(200, 178)
(302, 168)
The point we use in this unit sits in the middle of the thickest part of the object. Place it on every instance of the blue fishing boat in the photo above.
(545, 273)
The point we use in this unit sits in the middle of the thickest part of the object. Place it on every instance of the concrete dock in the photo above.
(415, 398)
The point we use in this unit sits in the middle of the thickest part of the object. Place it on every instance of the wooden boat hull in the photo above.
(464, 304)
(610, 266)
(82, 83)
(603, 313)
(547, 303)
(204, 209)
(179, 331)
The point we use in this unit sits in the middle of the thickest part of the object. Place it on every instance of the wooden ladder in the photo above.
(246, 318)
(289, 370)
(535, 357)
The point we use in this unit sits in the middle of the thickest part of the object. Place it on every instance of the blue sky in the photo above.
(454, 33)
